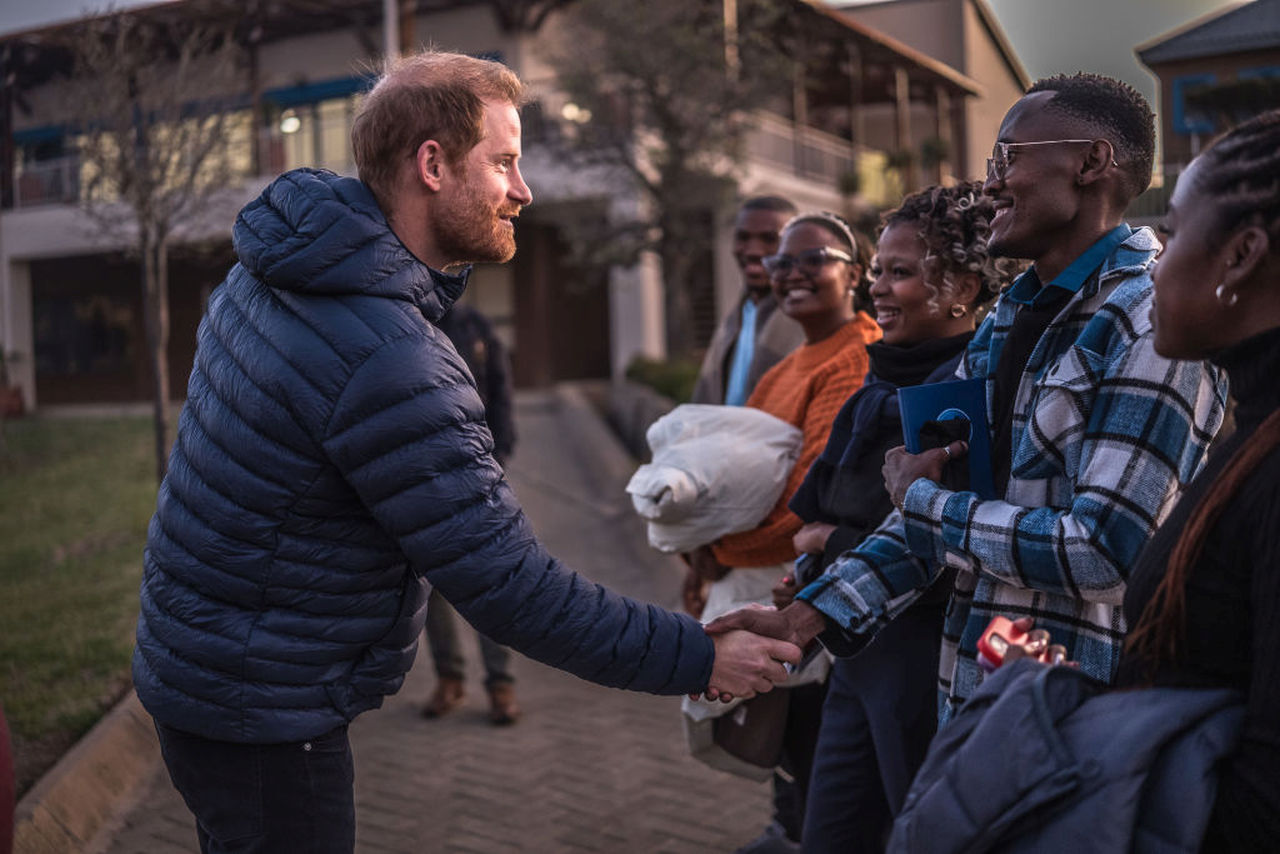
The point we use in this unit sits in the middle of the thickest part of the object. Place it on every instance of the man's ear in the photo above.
(1097, 160)
(1245, 253)
(430, 165)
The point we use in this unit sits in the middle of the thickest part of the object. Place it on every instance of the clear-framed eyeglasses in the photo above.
(810, 261)
(1003, 153)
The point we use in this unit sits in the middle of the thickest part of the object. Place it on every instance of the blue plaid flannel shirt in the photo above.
(1104, 434)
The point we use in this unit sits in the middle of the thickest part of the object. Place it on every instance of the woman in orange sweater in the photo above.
(818, 276)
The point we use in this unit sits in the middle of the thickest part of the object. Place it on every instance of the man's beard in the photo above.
(473, 233)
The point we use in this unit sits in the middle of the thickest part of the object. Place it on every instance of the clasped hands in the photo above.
(754, 644)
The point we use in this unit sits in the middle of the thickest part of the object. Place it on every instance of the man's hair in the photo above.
(954, 224)
(1241, 174)
(774, 204)
(1119, 112)
(431, 95)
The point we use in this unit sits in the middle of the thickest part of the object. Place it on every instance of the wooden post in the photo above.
(902, 121)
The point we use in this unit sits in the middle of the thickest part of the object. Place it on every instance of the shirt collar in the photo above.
(1027, 290)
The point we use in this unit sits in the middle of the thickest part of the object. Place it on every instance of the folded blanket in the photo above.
(716, 470)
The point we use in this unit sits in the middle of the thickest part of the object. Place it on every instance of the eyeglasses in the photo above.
(1003, 152)
(810, 261)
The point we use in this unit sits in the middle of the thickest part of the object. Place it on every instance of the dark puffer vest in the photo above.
(332, 462)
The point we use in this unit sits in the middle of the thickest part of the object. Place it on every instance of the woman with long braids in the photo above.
(1203, 600)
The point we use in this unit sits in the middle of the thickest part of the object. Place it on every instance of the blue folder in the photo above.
(945, 401)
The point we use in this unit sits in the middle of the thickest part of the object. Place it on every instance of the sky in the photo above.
(1050, 36)
(1053, 36)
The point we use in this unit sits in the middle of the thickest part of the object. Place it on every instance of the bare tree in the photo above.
(152, 98)
(659, 91)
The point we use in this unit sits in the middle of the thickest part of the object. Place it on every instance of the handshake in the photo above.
(754, 646)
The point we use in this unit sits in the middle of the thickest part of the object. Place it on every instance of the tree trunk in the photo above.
(676, 289)
(155, 277)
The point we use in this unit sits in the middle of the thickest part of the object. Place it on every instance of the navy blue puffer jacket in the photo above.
(331, 462)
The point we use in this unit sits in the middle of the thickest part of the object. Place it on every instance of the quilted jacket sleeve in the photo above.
(408, 434)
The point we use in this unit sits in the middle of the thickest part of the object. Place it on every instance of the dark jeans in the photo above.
(790, 791)
(442, 641)
(880, 714)
(266, 798)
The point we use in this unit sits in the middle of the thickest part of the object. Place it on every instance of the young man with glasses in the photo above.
(1092, 432)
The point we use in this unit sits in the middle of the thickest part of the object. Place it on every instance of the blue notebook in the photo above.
(957, 399)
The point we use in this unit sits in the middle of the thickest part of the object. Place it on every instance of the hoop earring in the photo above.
(958, 310)
(1229, 302)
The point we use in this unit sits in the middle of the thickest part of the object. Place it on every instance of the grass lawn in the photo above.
(75, 498)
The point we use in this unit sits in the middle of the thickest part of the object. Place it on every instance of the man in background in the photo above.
(754, 336)
(486, 357)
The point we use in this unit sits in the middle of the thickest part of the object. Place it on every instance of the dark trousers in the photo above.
(790, 789)
(260, 798)
(880, 714)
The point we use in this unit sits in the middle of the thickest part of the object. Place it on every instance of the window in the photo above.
(1187, 119)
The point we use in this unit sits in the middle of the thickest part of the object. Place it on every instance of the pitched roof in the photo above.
(1239, 29)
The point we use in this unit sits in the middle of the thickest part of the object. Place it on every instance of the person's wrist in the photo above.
(804, 622)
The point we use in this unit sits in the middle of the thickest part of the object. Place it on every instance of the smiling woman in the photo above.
(816, 276)
(932, 273)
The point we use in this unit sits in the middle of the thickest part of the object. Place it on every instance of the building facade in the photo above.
(71, 314)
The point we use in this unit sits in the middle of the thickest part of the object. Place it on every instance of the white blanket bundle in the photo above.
(716, 470)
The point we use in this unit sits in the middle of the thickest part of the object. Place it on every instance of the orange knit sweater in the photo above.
(806, 389)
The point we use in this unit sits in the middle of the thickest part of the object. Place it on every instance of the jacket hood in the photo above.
(315, 232)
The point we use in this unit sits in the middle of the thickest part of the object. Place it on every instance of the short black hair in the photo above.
(776, 204)
(1118, 110)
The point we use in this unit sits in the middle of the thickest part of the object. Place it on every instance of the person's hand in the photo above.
(703, 560)
(784, 592)
(812, 538)
(747, 664)
(902, 469)
(1035, 644)
(798, 623)
(693, 592)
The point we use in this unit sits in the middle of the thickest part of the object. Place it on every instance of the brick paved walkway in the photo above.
(588, 768)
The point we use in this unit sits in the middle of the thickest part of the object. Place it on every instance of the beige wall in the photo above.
(929, 26)
(952, 32)
(985, 63)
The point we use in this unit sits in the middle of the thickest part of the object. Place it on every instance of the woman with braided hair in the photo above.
(1203, 600)
(932, 275)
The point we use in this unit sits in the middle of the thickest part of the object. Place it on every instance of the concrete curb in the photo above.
(92, 787)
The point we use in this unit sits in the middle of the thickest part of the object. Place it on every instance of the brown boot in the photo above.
(448, 696)
(502, 704)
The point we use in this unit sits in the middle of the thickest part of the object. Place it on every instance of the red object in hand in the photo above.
(1002, 634)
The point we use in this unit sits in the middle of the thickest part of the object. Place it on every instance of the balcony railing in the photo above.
(47, 182)
(805, 152)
